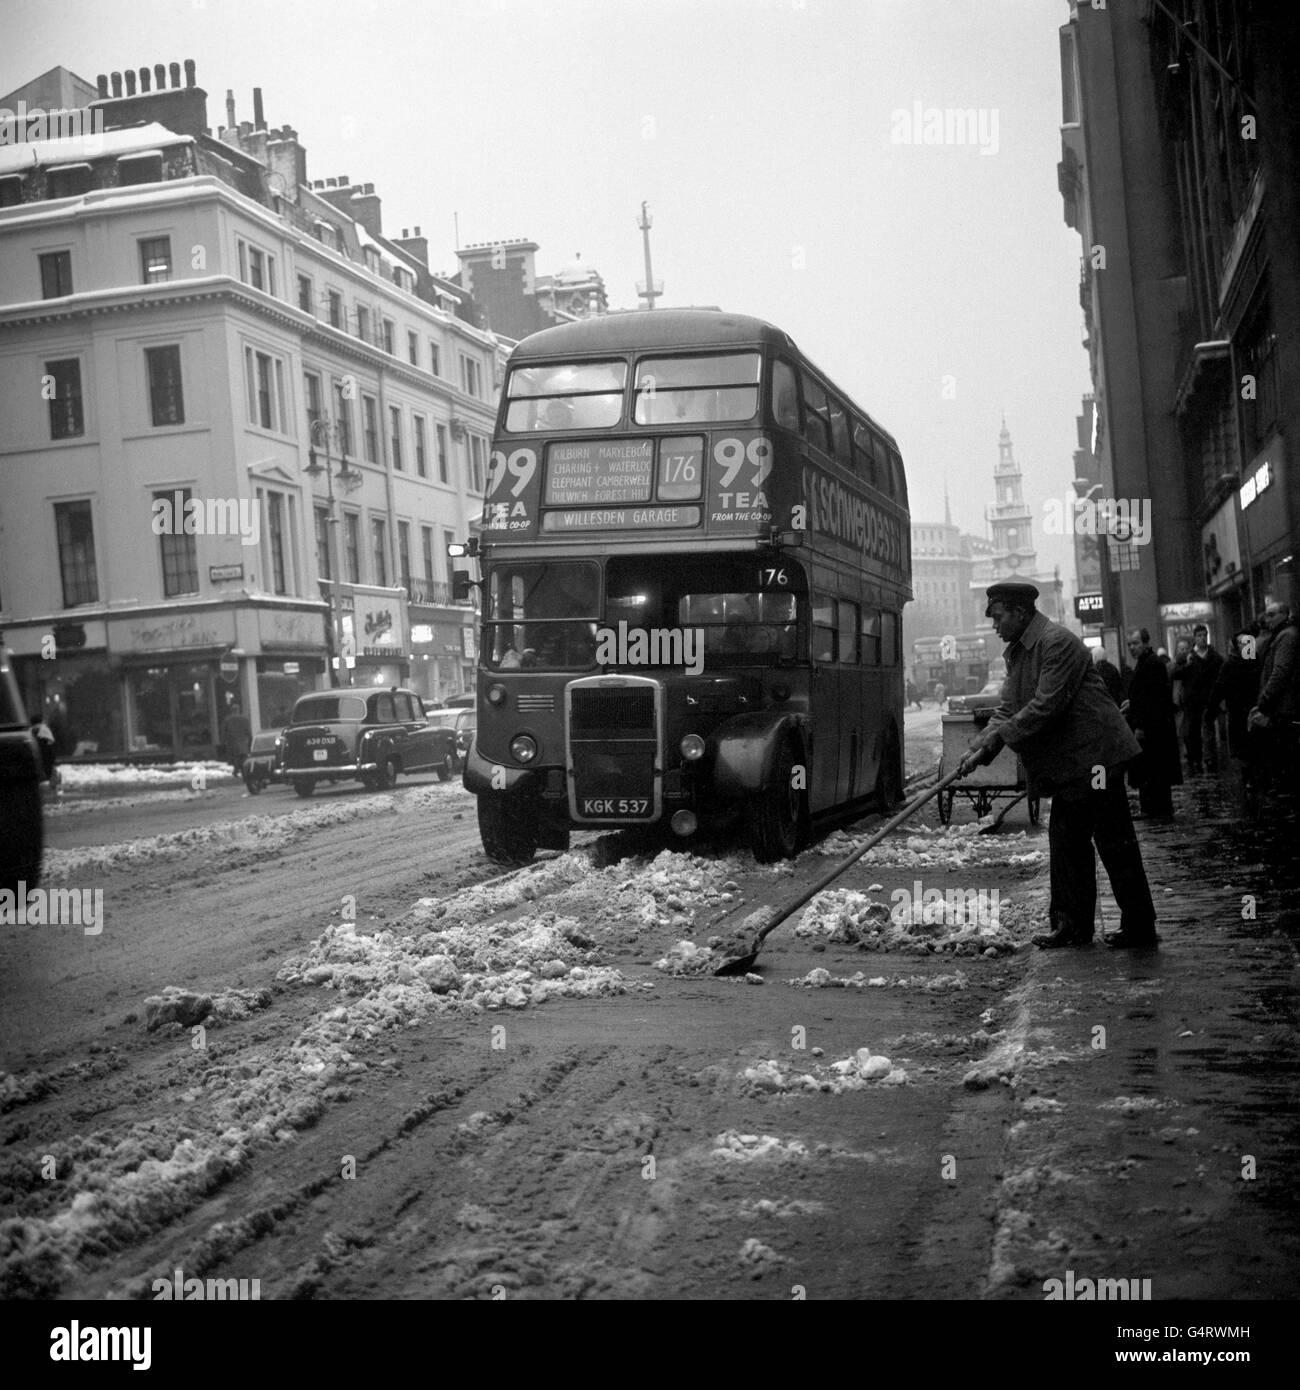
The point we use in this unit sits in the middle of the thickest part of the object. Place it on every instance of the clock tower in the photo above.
(1009, 518)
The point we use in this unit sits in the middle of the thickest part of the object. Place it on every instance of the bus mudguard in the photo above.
(744, 750)
(479, 774)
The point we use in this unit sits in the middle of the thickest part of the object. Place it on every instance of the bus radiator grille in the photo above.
(622, 712)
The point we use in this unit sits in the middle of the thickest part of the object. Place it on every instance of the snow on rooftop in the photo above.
(139, 139)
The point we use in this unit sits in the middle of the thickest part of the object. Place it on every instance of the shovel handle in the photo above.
(831, 875)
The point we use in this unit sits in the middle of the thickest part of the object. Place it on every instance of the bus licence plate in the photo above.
(615, 805)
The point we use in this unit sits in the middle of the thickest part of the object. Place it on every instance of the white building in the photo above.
(176, 310)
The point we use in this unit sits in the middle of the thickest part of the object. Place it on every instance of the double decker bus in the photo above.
(967, 670)
(695, 551)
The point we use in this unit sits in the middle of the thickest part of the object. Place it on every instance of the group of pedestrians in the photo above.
(1083, 728)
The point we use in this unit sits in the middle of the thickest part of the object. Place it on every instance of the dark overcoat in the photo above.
(1151, 709)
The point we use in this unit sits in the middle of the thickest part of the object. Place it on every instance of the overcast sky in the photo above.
(762, 133)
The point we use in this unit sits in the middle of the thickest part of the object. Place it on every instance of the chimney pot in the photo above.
(159, 77)
(405, 231)
(189, 72)
(129, 76)
(175, 73)
(370, 188)
(144, 79)
(259, 121)
(245, 127)
(117, 84)
(417, 231)
(101, 82)
(230, 108)
(344, 181)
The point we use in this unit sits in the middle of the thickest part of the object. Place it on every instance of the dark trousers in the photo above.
(1198, 727)
(1081, 817)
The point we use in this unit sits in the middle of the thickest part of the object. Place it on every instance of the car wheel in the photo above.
(446, 768)
(776, 812)
(387, 778)
(304, 787)
(251, 781)
(25, 837)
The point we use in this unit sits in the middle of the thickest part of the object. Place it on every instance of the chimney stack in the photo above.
(117, 84)
(189, 72)
(129, 78)
(230, 109)
(144, 80)
(259, 121)
(101, 82)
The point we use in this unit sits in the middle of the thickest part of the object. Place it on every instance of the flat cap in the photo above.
(1012, 591)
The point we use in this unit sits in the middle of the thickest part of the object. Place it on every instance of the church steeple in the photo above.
(947, 508)
(1009, 517)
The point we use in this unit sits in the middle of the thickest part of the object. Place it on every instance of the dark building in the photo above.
(1180, 171)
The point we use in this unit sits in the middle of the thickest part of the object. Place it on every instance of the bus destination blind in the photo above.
(593, 473)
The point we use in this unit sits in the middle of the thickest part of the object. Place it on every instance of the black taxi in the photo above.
(368, 735)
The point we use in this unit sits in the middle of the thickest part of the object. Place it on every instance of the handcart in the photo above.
(1004, 776)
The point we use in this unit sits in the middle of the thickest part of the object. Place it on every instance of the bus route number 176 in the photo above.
(615, 806)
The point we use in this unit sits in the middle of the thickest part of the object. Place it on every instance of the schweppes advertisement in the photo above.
(836, 512)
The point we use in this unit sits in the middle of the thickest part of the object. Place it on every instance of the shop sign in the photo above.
(287, 628)
(1090, 608)
(1220, 551)
(69, 637)
(1195, 610)
(173, 632)
(218, 573)
(291, 668)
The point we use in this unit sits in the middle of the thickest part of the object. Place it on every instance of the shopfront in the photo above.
(376, 627)
(440, 639)
(1267, 533)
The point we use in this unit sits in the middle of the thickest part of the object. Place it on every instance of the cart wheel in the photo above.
(1033, 810)
(983, 805)
(945, 806)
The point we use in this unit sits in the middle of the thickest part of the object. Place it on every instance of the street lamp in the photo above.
(324, 433)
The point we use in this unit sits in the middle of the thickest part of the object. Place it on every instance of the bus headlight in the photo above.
(523, 748)
(692, 748)
(496, 695)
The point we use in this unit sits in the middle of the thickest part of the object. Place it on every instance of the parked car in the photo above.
(987, 698)
(21, 774)
(373, 735)
(262, 765)
(466, 724)
(461, 701)
(449, 719)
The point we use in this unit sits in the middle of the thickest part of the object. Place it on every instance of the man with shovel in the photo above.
(1058, 717)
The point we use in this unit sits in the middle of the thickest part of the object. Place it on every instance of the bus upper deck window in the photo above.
(785, 396)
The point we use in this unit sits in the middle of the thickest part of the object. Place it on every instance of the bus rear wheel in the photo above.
(775, 814)
(508, 827)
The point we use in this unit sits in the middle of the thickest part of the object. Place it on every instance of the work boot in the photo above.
(1128, 939)
(1063, 933)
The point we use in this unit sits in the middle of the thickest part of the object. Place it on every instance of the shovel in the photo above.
(767, 919)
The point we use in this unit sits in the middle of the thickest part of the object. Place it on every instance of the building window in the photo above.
(265, 378)
(344, 416)
(395, 435)
(323, 568)
(390, 338)
(470, 375)
(180, 562)
(352, 546)
(435, 358)
(404, 552)
(306, 298)
(426, 550)
(443, 467)
(477, 461)
(315, 406)
(413, 348)
(156, 260)
(166, 398)
(421, 456)
(447, 538)
(70, 181)
(379, 551)
(336, 309)
(275, 534)
(369, 429)
(11, 191)
(64, 383)
(56, 274)
(256, 268)
(363, 323)
(76, 535)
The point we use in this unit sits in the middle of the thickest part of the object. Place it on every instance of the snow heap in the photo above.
(821, 978)
(846, 915)
(455, 967)
(733, 1147)
(853, 1073)
(260, 833)
(93, 777)
(941, 847)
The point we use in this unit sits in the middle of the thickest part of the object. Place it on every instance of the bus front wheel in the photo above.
(508, 827)
(775, 814)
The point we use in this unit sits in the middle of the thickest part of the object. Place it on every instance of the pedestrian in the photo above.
(1195, 671)
(1068, 731)
(1235, 691)
(1109, 673)
(913, 695)
(1150, 712)
(1164, 658)
(236, 737)
(940, 693)
(1273, 721)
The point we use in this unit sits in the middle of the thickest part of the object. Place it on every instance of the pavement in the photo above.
(1155, 1130)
